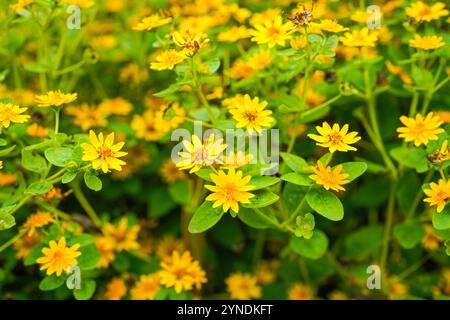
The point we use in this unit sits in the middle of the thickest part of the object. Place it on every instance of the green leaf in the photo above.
(414, 158)
(297, 178)
(261, 200)
(32, 161)
(36, 68)
(6, 221)
(180, 191)
(59, 157)
(37, 188)
(441, 221)
(7, 151)
(204, 174)
(325, 203)
(156, 207)
(35, 253)
(423, 78)
(364, 242)
(295, 163)
(68, 177)
(205, 217)
(409, 234)
(213, 65)
(89, 258)
(51, 283)
(86, 291)
(92, 181)
(250, 218)
(312, 248)
(261, 182)
(354, 169)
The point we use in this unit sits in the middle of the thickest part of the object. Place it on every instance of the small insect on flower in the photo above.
(243, 286)
(55, 99)
(188, 43)
(103, 153)
(335, 138)
(420, 129)
(438, 194)
(12, 113)
(426, 43)
(441, 155)
(151, 22)
(328, 177)
(58, 257)
(302, 16)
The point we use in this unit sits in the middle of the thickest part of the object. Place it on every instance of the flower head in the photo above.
(20, 5)
(335, 138)
(189, 43)
(359, 38)
(252, 114)
(170, 173)
(167, 245)
(420, 129)
(421, 11)
(55, 99)
(115, 289)
(118, 106)
(426, 42)
(146, 287)
(243, 286)
(272, 32)
(35, 130)
(12, 113)
(300, 292)
(182, 272)
(233, 34)
(106, 246)
(153, 21)
(87, 116)
(329, 25)
(103, 153)
(230, 189)
(37, 220)
(26, 244)
(58, 257)
(123, 236)
(431, 241)
(438, 194)
(260, 60)
(329, 178)
(167, 59)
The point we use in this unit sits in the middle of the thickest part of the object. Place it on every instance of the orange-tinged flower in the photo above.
(252, 114)
(243, 286)
(87, 117)
(35, 130)
(123, 236)
(37, 220)
(438, 194)
(420, 129)
(12, 113)
(146, 288)
(58, 257)
(55, 99)
(106, 246)
(329, 178)
(300, 292)
(115, 289)
(421, 11)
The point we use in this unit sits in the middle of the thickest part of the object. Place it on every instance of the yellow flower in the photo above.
(328, 177)
(54, 98)
(170, 173)
(167, 59)
(24, 245)
(240, 70)
(331, 26)
(198, 155)
(273, 32)
(230, 189)
(359, 38)
(243, 286)
(153, 21)
(149, 126)
(87, 117)
(420, 130)
(106, 247)
(107, 41)
(167, 246)
(260, 60)
(188, 42)
(123, 236)
(182, 272)
(234, 34)
(35, 130)
(20, 5)
(58, 257)
(334, 138)
(265, 271)
(37, 220)
(7, 179)
(421, 11)
(252, 114)
(299, 42)
(134, 73)
(399, 71)
(1, 164)
(431, 241)
(236, 159)
(438, 194)
(83, 4)
(426, 42)
(118, 106)
(300, 292)
(115, 289)
(103, 153)
(12, 113)
(146, 288)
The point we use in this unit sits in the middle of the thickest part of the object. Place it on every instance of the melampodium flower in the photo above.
(426, 42)
(106, 247)
(35, 130)
(26, 244)
(420, 130)
(230, 189)
(118, 106)
(123, 236)
(273, 32)
(359, 38)
(188, 43)
(329, 25)
(55, 99)
(300, 292)
(103, 153)
(252, 114)
(115, 289)
(167, 59)
(421, 11)
(335, 138)
(83, 4)
(146, 288)
(233, 34)
(438, 194)
(12, 113)
(328, 177)
(153, 21)
(20, 5)
(87, 117)
(37, 220)
(182, 272)
(242, 286)
(170, 173)
(198, 155)
(58, 257)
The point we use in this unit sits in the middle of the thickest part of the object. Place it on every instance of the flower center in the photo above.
(230, 191)
(251, 116)
(105, 152)
(335, 137)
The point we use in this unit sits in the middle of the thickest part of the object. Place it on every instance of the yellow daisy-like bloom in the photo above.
(272, 32)
(87, 117)
(300, 292)
(396, 70)
(421, 11)
(431, 241)
(37, 220)
(233, 34)
(299, 42)
(230, 189)
(55, 99)
(166, 60)
(190, 43)
(58, 257)
(115, 289)
(182, 272)
(7, 179)
(438, 194)
(260, 60)
(37, 131)
(252, 114)
(118, 106)
(106, 246)
(20, 5)
(103, 153)
(167, 246)
(83, 4)
(149, 125)
(426, 42)
(146, 288)
(122, 236)
(24, 245)
(359, 38)
(153, 21)
(198, 155)
(236, 159)
(328, 177)
(334, 138)
(170, 173)
(12, 113)
(329, 25)
(243, 286)
(420, 129)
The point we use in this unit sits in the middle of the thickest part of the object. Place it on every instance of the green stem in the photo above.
(8, 243)
(413, 268)
(199, 91)
(259, 247)
(57, 113)
(418, 196)
(276, 224)
(388, 229)
(58, 213)
(85, 204)
(20, 203)
(414, 103)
